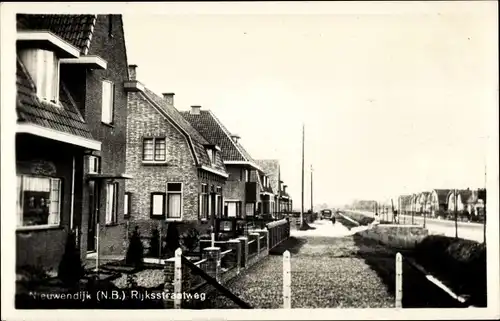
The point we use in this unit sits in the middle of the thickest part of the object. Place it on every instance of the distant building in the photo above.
(242, 194)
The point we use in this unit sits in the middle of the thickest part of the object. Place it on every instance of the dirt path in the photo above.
(327, 272)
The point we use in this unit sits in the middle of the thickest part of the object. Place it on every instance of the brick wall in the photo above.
(234, 172)
(108, 42)
(144, 120)
(45, 247)
(85, 86)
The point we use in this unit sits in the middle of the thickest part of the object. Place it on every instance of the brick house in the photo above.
(179, 175)
(70, 137)
(439, 201)
(243, 187)
(281, 200)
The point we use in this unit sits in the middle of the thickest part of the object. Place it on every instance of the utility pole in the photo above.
(312, 207)
(302, 205)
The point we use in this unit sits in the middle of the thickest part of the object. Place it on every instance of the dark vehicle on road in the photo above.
(326, 214)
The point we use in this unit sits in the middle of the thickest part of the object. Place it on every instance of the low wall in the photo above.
(398, 236)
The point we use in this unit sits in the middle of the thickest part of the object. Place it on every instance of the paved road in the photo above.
(466, 230)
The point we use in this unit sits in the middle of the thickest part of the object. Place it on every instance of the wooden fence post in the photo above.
(178, 279)
(287, 281)
(399, 280)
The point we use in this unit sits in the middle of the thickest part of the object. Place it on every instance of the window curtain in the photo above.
(158, 204)
(110, 202)
(28, 185)
(231, 209)
(250, 209)
(55, 201)
(174, 205)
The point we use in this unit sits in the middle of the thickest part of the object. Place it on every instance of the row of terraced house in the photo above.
(467, 203)
(97, 150)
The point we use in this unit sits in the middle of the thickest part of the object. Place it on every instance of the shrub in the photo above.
(32, 273)
(70, 269)
(173, 242)
(190, 239)
(135, 252)
(154, 245)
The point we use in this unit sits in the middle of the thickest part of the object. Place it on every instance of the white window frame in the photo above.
(127, 202)
(207, 196)
(154, 196)
(112, 203)
(20, 202)
(94, 164)
(153, 161)
(253, 209)
(167, 217)
(108, 116)
(227, 203)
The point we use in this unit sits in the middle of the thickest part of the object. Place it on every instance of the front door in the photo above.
(94, 203)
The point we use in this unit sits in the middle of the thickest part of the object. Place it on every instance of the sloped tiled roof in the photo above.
(442, 195)
(75, 29)
(34, 110)
(214, 131)
(271, 167)
(198, 141)
(465, 194)
(481, 194)
(423, 196)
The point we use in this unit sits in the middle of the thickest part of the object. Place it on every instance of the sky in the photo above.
(392, 103)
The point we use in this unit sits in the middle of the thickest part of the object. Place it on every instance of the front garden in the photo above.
(147, 268)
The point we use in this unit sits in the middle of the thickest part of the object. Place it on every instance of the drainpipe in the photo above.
(71, 223)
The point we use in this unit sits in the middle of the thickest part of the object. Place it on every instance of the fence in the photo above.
(182, 271)
(221, 260)
(278, 232)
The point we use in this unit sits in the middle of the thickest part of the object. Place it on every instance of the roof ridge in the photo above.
(226, 131)
(183, 122)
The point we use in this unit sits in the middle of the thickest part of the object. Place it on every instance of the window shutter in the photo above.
(158, 204)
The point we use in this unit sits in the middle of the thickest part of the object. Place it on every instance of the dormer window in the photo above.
(211, 155)
(43, 67)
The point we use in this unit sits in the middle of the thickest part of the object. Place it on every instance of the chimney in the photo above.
(132, 73)
(235, 138)
(195, 110)
(284, 188)
(169, 98)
